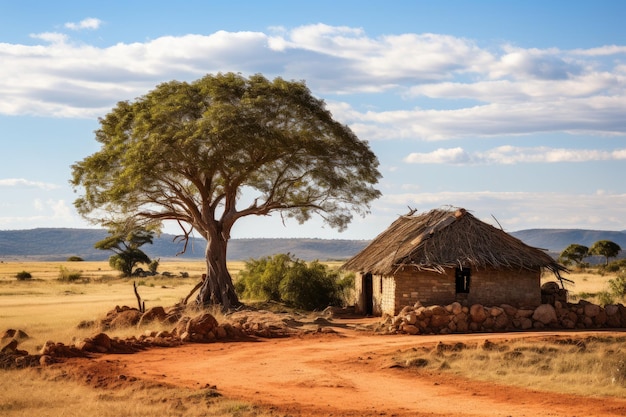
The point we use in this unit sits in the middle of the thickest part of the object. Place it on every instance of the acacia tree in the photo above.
(125, 240)
(208, 153)
(574, 253)
(605, 248)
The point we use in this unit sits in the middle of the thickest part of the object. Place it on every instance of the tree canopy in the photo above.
(574, 253)
(605, 248)
(207, 153)
(124, 240)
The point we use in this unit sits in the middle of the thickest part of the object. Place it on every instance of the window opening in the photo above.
(463, 280)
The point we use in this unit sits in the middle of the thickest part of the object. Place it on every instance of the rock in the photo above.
(611, 309)
(201, 325)
(101, 340)
(439, 320)
(526, 323)
(456, 308)
(600, 319)
(545, 314)
(410, 318)
(46, 360)
(410, 329)
(478, 313)
(126, 318)
(591, 310)
(509, 310)
(155, 313)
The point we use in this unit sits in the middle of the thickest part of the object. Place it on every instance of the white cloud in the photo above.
(52, 37)
(21, 182)
(46, 213)
(88, 23)
(513, 155)
(512, 91)
(520, 210)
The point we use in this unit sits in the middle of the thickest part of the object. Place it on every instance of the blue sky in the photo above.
(513, 110)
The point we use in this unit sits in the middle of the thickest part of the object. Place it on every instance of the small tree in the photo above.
(125, 240)
(574, 253)
(605, 248)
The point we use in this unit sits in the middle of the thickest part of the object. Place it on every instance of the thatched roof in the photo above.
(442, 239)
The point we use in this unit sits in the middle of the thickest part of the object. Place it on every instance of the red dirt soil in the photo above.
(347, 373)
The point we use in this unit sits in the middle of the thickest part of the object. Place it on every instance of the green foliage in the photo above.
(574, 253)
(68, 275)
(310, 286)
(124, 239)
(185, 151)
(606, 298)
(153, 266)
(618, 285)
(614, 266)
(23, 276)
(605, 248)
(283, 278)
(75, 259)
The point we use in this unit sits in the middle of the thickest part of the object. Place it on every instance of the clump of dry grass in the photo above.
(593, 366)
(50, 392)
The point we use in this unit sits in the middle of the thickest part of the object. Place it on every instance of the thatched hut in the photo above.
(444, 256)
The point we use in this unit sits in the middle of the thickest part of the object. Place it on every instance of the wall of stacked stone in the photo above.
(455, 318)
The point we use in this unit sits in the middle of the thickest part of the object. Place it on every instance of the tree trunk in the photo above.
(218, 288)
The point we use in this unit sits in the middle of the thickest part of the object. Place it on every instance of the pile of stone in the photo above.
(455, 318)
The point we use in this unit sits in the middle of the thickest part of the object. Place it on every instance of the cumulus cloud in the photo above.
(441, 86)
(88, 23)
(513, 155)
(24, 183)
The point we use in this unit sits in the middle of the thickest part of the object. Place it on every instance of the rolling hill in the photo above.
(56, 244)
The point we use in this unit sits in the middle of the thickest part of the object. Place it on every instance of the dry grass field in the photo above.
(47, 308)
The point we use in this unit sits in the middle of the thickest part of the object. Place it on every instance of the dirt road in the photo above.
(347, 373)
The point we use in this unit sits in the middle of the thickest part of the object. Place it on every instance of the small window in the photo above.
(462, 280)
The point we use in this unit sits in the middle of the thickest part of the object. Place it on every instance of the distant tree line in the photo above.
(576, 253)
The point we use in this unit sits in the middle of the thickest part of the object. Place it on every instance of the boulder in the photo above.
(478, 313)
(591, 310)
(545, 314)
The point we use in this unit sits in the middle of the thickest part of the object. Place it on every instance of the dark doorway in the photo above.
(463, 276)
(368, 294)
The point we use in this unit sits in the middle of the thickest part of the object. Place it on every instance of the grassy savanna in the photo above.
(592, 365)
(47, 308)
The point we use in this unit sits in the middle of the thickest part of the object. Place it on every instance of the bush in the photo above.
(283, 278)
(23, 276)
(618, 285)
(153, 266)
(310, 287)
(75, 259)
(68, 275)
(606, 298)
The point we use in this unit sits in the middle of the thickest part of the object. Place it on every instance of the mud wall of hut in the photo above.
(521, 289)
(488, 287)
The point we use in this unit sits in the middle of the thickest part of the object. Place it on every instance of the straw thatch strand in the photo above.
(442, 239)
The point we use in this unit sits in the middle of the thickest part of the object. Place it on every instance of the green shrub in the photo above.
(75, 259)
(618, 285)
(605, 298)
(310, 287)
(69, 275)
(153, 266)
(23, 276)
(283, 278)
